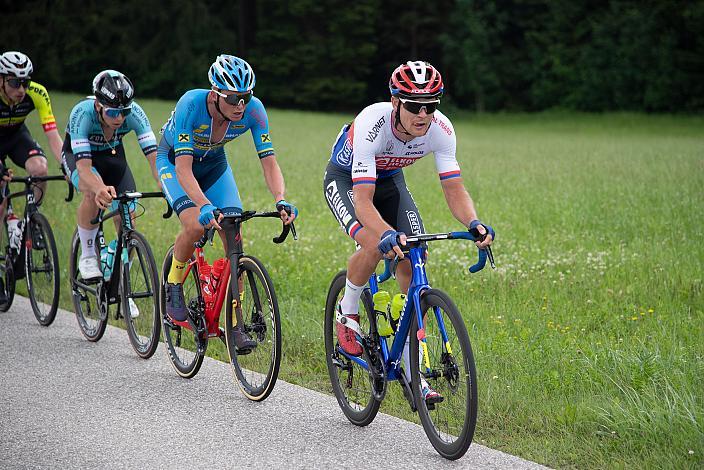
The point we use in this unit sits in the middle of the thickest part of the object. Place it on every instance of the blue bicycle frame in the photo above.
(419, 283)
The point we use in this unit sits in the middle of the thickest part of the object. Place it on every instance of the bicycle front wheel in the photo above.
(257, 370)
(7, 273)
(351, 383)
(42, 269)
(91, 313)
(140, 299)
(448, 368)
(186, 350)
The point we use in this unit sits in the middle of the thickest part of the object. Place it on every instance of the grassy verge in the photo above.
(589, 336)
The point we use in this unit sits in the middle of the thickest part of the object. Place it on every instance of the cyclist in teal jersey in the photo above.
(195, 175)
(94, 157)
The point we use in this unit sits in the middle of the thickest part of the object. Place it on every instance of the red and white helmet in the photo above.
(416, 80)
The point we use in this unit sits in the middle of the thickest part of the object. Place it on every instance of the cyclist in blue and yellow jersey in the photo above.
(94, 156)
(193, 168)
(366, 191)
(19, 96)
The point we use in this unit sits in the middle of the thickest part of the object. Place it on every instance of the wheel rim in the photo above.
(42, 272)
(143, 296)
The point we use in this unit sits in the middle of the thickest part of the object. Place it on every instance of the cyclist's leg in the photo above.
(27, 153)
(337, 186)
(190, 232)
(87, 209)
(398, 208)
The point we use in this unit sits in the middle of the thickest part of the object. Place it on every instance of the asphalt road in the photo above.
(69, 403)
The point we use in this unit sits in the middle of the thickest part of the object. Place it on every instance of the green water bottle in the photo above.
(397, 304)
(381, 306)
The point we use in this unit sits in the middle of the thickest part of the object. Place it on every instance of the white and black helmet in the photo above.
(231, 73)
(113, 89)
(16, 64)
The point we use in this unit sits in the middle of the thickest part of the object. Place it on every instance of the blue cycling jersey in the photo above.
(189, 129)
(86, 134)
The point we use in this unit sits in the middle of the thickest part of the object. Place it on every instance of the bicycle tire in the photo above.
(185, 358)
(256, 372)
(358, 404)
(41, 257)
(453, 375)
(145, 329)
(8, 277)
(86, 302)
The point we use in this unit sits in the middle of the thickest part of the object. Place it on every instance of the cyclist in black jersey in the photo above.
(19, 96)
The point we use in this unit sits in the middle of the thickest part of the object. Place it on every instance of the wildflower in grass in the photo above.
(650, 310)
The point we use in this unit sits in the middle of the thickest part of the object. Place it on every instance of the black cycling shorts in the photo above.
(391, 198)
(113, 169)
(20, 146)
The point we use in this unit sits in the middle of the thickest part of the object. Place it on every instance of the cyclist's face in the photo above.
(233, 112)
(416, 124)
(112, 123)
(15, 95)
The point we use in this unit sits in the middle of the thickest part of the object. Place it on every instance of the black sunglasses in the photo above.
(18, 82)
(236, 99)
(414, 107)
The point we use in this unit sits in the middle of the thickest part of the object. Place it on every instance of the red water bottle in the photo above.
(216, 274)
(205, 283)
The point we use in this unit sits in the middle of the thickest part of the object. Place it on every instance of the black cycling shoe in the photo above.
(175, 305)
(243, 342)
(37, 238)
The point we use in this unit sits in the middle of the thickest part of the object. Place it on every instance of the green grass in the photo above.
(588, 338)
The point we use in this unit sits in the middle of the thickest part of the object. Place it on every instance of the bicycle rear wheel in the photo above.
(7, 273)
(140, 283)
(257, 370)
(86, 297)
(186, 350)
(42, 269)
(351, 383)
(450, 371)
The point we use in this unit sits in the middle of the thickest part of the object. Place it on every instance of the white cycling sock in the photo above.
(350, 301)
(87, 236)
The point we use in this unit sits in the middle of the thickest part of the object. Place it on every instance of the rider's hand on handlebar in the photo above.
(7, 174)
(388, 244)
(104, 196)
(484, 233)
(288, 211)
(207, 218)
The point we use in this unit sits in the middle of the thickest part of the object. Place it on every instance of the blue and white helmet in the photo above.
(232, 74)
(16, 64)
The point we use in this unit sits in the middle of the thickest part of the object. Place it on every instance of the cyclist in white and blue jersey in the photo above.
(193, 168)
(366, 191)
(94, 158)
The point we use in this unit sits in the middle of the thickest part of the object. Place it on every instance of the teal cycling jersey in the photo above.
(86, 134)
(189, 129)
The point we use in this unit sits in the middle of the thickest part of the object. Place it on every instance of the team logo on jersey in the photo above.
(389, 146)
(201, 129)
(344, 156)
(374, 132)
(184, 138)
(265, 138)
(414, 221)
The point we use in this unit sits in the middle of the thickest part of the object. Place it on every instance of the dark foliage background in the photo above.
(337, 55)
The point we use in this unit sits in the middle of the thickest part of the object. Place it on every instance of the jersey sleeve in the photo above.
(365, 134)
(139, 122)
(79, 125)
(40, 98)
(260, 129)
(445, 149)
(184, 117)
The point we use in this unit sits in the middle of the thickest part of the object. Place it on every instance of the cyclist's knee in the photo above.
(36, 166)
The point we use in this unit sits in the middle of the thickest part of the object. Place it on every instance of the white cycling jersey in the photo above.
(369, 149)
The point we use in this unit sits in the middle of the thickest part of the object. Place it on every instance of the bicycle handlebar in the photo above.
(29, 180)
(483, 255)
(128, 196)
(246, 215)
